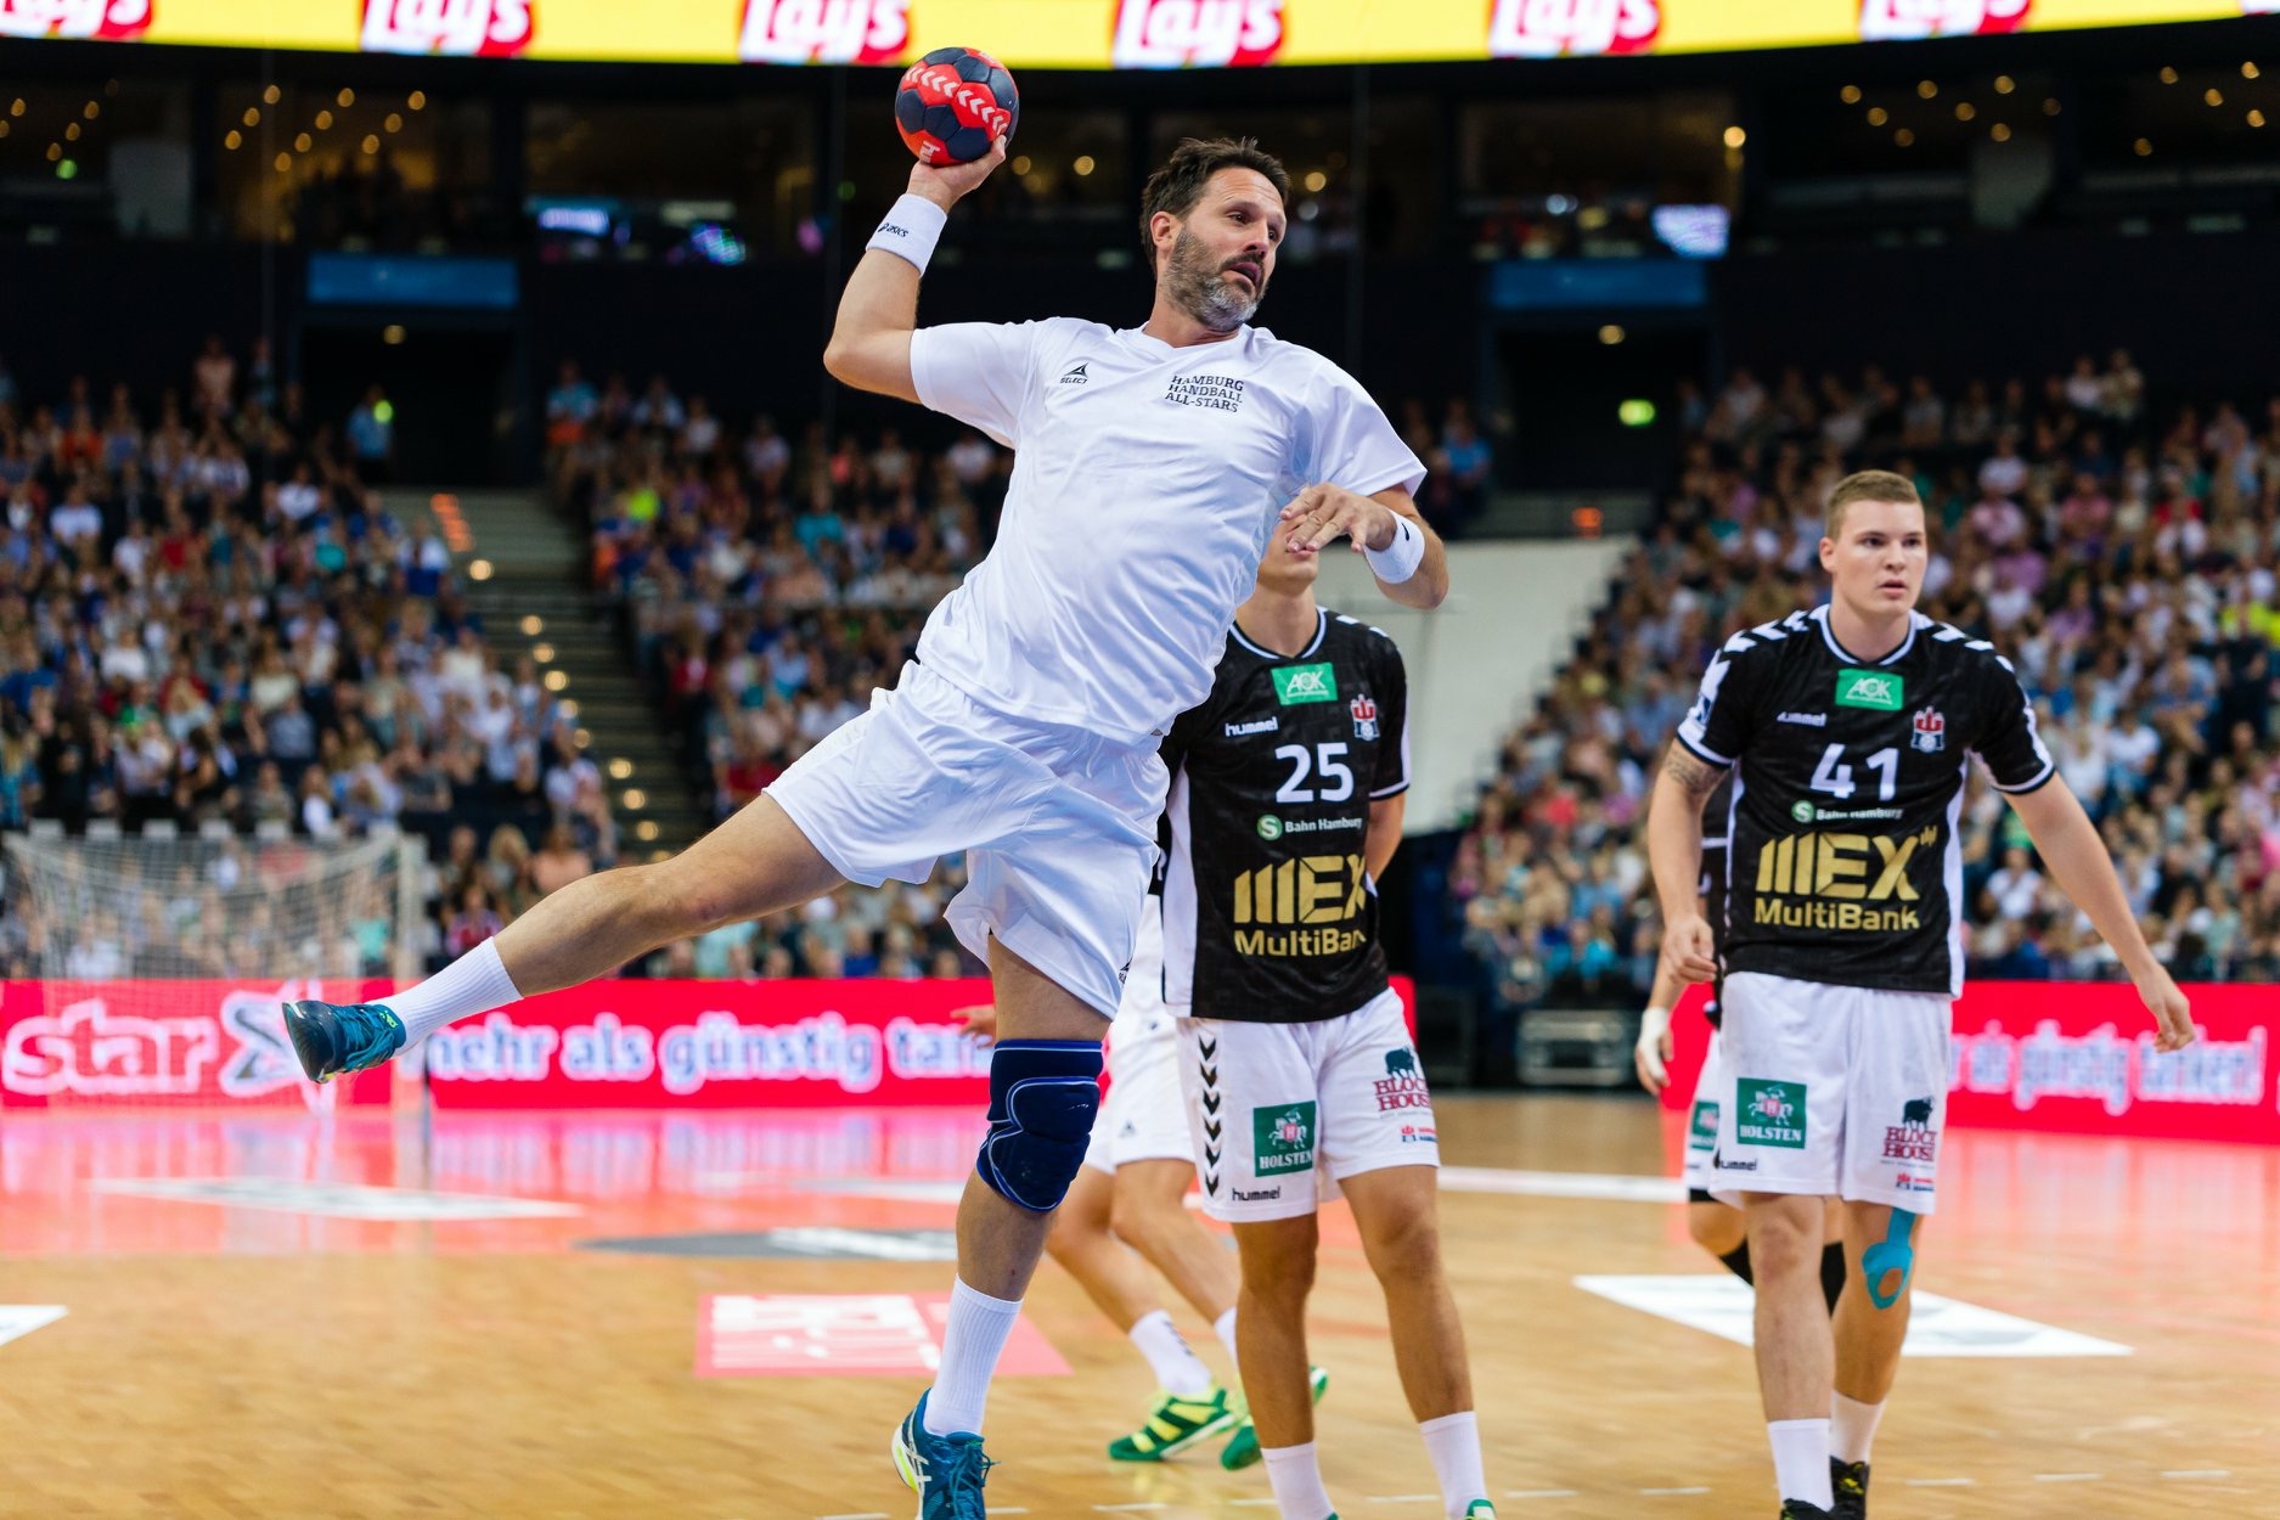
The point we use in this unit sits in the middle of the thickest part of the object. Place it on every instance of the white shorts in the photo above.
(1144, 1118)
(1280, 1112)
(1702, 1119)
(1832, 1091)
(1058, 825)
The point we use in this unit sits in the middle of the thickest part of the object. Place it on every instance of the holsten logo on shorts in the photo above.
(1305, 683)
(1170, 34)
(103, 20)
(1873, 689)
(457, 28)
(1833, 873)
(1770, 1113)
(1906, 20)
(1549, 28)
(1702, 1127)
(1300, 906)
(824, 31)
(1402, 1086)
(1912, 1138)
(1282, 1138)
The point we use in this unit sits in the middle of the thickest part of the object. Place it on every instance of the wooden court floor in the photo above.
(255, 1353)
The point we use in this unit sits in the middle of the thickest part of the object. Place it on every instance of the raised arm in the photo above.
(1377, 526)
(1674, 849)
(878, 311)
(2070, 846)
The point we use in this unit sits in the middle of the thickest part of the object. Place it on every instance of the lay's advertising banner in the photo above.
(1069, 34)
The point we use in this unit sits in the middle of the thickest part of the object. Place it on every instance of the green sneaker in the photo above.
(1242, 1448)
(1174, 1425)
(1480, 1509)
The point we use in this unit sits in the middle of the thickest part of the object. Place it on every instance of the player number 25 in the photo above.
(1323, 759)
(1836, 778)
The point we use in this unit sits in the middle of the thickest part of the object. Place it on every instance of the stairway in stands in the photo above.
(525, 570)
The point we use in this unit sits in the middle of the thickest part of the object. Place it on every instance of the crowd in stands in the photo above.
(2123, 557)
(211, 621)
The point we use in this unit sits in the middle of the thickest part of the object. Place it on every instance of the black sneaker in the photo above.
(1798, 1509)
(1849, 1481)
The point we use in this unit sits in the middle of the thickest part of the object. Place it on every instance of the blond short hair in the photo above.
(1868, 485)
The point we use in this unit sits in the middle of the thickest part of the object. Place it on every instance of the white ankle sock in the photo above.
(475, 983)
(1224, 1328)
(1453, 1442)
(1801, 1460)
(1177, 1369)
(977, 1332)
(1296, 1478)
(1852, 1427)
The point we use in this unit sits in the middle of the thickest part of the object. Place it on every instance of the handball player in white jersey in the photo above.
(1151, 464)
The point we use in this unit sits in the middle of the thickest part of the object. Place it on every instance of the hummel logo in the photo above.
(1209, 1048)
(1076, 376)
(1211, 1103)
(1211, 1128)
(1810, 720)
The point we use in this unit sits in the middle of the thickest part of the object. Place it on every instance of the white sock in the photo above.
(1453, 1442)
(1177, 1369)
(1297, 1481)
(475, 983)
(1852, 1427)
(1801, 1460)
(1224, 1328)
(978, 1329)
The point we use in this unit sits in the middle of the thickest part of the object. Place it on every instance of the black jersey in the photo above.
(1842, 863)
(1715, 812)
(1270, 915)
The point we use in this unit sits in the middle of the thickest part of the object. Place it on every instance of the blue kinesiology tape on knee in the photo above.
(1043, 1095)
(1896, 1252)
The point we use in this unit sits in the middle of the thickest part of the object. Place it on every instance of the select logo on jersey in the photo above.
(1910, 20)
(1770, 1113)
(1076, 375)
(1834, 872)
(1930, 736)
(1365, 717)
(1171, 34)
(1305, 683)
(1301, 906)
(1912, 1139)
(1876, 690)
(1403, 1085)
(824, 31)
(103, 20)
(1702, 1128)
(1282, 1138)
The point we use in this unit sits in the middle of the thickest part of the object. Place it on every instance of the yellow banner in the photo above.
(1081, 34)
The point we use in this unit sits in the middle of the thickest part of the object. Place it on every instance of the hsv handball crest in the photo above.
(953, 103)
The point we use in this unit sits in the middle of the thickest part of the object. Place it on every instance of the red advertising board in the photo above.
(2078, 1058)
(162, 1044)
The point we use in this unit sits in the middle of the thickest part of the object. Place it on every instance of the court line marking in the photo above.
(1615, 1187)
(1662, 1491)
(1253, 1503)
(1941, 1482)
(1539, 1493)
(2199, 1472)
(1405, 1498)
(869, 1514)
(1126, 1509)
(2069, 1477)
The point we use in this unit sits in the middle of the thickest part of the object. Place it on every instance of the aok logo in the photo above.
(102, 20)
(1550, 28)
(824, 31)
(455, 28)
(1907, 20)
(1310, 897)
(1170, 34)
(1846, 871)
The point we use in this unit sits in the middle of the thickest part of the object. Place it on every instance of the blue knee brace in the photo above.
(1896, 1252)
(1043, 1095)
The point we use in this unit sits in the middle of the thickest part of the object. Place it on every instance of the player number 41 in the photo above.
(1836, 778)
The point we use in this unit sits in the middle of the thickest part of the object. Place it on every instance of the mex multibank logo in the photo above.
(449, 28)
(1305, 683)
(1876, 690)
(1910, 20)
(824, 31)
(1174, 34)
(1847, 881)
(1553, 28)
(1308, 906)
(97, 20)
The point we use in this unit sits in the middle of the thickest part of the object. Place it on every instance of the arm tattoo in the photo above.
(1694, 776)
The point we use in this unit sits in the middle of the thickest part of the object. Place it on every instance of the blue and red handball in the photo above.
(955, 102)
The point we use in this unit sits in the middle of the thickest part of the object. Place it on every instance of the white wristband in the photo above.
(1398, 561)
(911, 230)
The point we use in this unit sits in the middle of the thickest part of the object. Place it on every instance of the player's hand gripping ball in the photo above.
(955, 102)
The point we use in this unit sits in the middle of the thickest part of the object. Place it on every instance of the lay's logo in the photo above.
(1172, 34)
(1909, 20)
(99, 20)
(1552, 28)
(824, 31)
(451, 28)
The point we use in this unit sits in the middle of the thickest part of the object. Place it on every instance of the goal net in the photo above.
(158, 968)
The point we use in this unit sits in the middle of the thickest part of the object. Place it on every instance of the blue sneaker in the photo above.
(333, 1038)
(946, 1472)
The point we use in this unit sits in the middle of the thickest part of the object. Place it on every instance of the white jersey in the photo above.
(1141, 1020)
(1146, 482)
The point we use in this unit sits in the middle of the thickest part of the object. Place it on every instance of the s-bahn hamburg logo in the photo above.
(1550, 28)
(824, 31)
(453, 28)
(100, 20)
(1907, 20)
(1171, 34)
